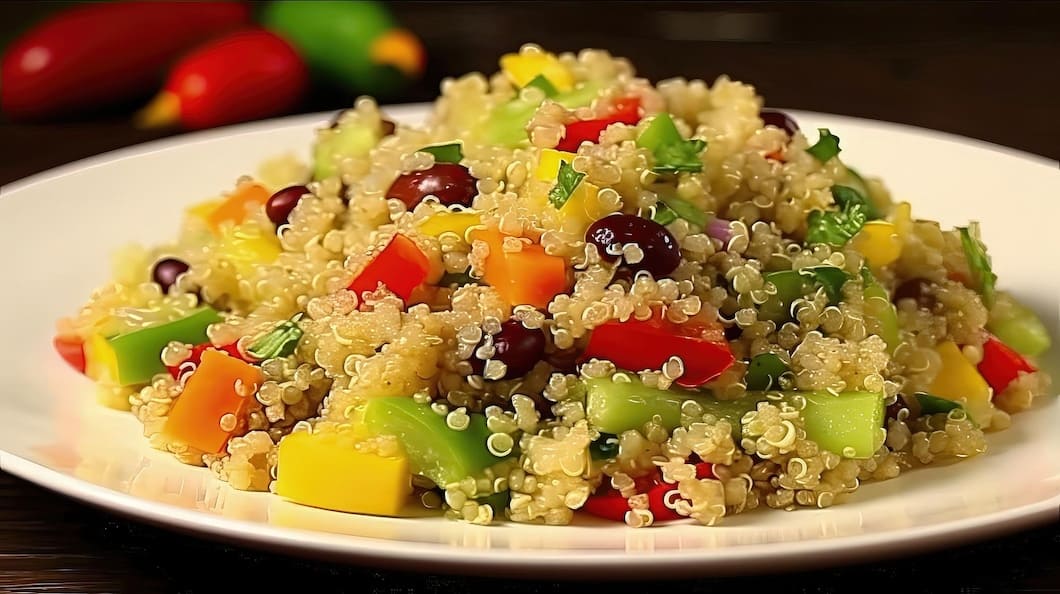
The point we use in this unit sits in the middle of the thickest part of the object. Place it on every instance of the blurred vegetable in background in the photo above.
(220, 71)
(243, 76)
(356, 45)
(96, 54)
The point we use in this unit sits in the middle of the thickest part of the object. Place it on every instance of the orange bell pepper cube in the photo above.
(529, 277)
(400, 267)
(234, 208)
(222, 385)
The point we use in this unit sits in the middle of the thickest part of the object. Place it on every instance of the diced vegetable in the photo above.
(450, 222)
(849, 423)
(100, 362)
(400, 267)
(1018, 326)
(540, 82)
(72, 350)
(671, 151)
(664, 215)
(793, 284)
(835, 228)
(639, 345)
(434, 450)
(626, 111)
(609, 504)
(831, 278)
(958, 380)
(246, 248)
(212, 406)
(523, 68)
(978, 262)
(195, 357)
(137, 354)
(878, 241)
(354, 139)
(881, 318)
(764, 371)
(324, 470)
(445, 153)
(582, 207)
(567, 181)
(529, 276)
(1001, 365)
(234, 209)
(506, 124)
(686, 210)
(280, 342)
(826, 147)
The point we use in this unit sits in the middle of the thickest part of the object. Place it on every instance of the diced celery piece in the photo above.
(881, 318)
(580, 96)
(660, 132)
(790, 286)
(434, 450)
(850, 423)
(506, 125)
(1018, 326)
(351, 140)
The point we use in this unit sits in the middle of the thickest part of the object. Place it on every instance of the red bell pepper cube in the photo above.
(611, 505)
(195, 357)
(72, 350)
(1001, 365)
(627, 111)
(400, 267)
(638, 345)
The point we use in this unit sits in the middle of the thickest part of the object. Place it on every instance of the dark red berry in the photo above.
(279, 206)
(518, 347)
(166, 271)
(774, 117)
(449, 182)
(661, 252)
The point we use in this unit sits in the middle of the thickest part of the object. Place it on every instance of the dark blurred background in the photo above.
(985, 70)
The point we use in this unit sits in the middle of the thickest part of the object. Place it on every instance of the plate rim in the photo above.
(583, 564)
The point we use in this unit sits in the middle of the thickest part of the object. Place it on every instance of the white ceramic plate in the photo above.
(61, 226)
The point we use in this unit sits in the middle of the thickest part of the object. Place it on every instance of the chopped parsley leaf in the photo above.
(566, 182)
(978, 263)
(826, 148)
(445, 153)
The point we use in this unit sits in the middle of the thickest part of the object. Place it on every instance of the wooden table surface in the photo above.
(984, 70)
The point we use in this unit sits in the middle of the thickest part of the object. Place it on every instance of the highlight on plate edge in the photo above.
(570, 292)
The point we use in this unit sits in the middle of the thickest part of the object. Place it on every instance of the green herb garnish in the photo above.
(930, 405)
(846, 195)
(686, 210)
(566, 182)
(458, 278)
(280, 342)
(672, 152)
(978, 262)
(540, 82)
(829, 277)
(445, 153)
(835, 228)
(664, 215)
(826, 148)
(764, 371)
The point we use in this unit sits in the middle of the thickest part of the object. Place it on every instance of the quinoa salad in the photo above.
(571, 292)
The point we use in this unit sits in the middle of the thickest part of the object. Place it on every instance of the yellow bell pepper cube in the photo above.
(548, 164)
(958, 380)
(525, 67)
(101, 364)
(325, 470)
(244, 248)
(450, 222)
(878, 241)
(582, 208)
(202, 210)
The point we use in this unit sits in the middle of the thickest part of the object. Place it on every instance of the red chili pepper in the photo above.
(1001, 365)
(400, 267)
(637, 345)
(96, 53)
(627, 111)
(195, 357)
(243, 76)
(609, 504)
(72, 350)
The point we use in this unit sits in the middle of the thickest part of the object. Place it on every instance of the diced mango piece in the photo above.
(235, 207)
(324, 470)
(245, 247)
(222, 385)
(524, 67)
(529, 276)
(100, 362)
(450, 222)
(958, 380)
(879, 242)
